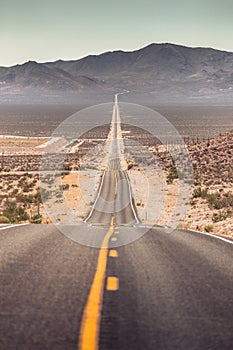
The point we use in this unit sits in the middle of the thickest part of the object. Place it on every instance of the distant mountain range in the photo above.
(159, 71)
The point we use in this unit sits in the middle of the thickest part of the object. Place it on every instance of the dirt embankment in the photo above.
(210, 204)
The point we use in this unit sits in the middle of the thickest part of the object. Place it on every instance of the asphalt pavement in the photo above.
(175, 291)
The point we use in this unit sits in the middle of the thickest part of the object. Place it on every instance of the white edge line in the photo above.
(116, 189)
(127, 178)
(11, 226)
(97, 197)
(131, 198)
(212, 235)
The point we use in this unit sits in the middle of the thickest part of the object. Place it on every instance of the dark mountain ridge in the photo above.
(161, 70)
(152, 58)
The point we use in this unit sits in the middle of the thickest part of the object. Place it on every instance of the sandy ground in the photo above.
(155, 200)
(199, 216)
(20, 144)
(156, 203)
(72, 203)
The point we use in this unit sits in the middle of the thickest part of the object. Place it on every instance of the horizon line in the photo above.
(116, 50)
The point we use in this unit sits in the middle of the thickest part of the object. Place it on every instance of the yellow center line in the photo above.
(112, 283)
(89, 333)
(113, 253)
(114, 239)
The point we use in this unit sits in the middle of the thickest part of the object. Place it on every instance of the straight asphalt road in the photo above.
(163, 291)
(114, 197)
(174, 291)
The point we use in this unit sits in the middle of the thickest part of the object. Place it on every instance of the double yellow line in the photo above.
(89, 333)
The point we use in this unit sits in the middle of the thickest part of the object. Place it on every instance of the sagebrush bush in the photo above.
(4, 220)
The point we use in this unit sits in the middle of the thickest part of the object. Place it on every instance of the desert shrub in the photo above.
(14, 213)
(4, 220)
(30, 198)
(58, 201)
(220, 216)
(36, 219)
(15, 191)
(216, 201)
(21, 198)
(28, 186)
(67, 168)
(58, 194)
(22, 181)
(172, 175)
(200, 192)
(64, 187)
(26, 199)
(208, 228)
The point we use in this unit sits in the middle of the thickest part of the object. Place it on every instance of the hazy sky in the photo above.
(47, 30)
